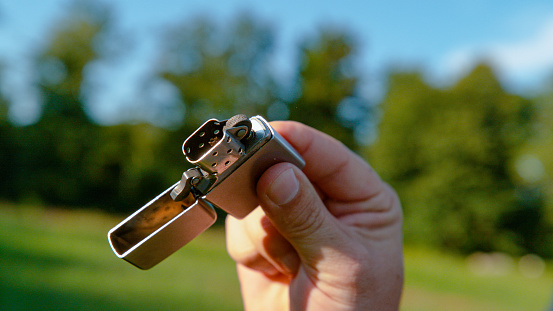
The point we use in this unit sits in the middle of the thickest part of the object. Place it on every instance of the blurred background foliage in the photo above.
(472, 163)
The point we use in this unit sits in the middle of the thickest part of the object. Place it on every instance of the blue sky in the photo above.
(444, 37)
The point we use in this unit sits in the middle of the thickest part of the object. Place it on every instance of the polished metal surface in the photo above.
(229, 158)
(160, 228)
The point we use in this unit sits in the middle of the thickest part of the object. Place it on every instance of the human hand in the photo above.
(325, 238)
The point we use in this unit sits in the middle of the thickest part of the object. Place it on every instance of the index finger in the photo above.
(333, 168)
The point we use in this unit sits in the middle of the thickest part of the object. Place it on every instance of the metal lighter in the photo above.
(229, 157)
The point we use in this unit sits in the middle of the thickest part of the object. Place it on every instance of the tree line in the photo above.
(470, 161)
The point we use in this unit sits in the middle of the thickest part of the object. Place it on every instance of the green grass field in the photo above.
(60, 260)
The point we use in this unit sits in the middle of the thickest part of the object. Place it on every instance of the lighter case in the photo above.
(229, 157)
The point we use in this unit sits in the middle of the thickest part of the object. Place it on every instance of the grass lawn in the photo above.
(61, 260)
(436, 281)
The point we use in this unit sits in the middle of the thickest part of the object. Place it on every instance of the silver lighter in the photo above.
(229, 157)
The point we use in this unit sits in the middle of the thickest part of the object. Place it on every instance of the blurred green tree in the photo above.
(8, 148)
(450, 153)
(125, 171)
(55, 149)
(72, 160)
(327, 79)
(219, 70)
(534, 169)
(542, 147)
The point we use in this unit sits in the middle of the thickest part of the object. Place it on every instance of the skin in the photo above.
(327, 237)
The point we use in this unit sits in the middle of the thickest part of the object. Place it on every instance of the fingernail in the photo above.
(290, 263)
(284, 188)
(269, 270)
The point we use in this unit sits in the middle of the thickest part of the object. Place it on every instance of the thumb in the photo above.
(294, 207)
